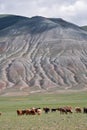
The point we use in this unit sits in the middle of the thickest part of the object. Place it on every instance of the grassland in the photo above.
(51, 121)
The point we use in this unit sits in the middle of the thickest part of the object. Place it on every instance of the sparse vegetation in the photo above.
(9, 120)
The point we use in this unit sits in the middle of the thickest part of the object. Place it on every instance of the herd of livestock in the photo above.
(38, 111)
(62, 110)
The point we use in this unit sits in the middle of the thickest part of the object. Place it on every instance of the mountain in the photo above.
(41, 54)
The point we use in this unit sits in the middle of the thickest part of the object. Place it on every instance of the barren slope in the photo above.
(41, 53)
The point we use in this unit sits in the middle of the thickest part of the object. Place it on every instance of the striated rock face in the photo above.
(42, 53)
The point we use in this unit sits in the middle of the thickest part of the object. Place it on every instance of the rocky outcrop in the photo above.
(42, 53)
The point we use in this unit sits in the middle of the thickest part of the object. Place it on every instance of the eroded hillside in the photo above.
(42, 53)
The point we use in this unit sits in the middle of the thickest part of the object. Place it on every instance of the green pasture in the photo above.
(9, 120)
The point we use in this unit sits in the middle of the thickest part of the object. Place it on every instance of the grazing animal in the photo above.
(53, 109)
(23, 112)
(84, 110)
(46, 109)
(62, 110)
(68, 109)
(30, 111)
(19, 112)
(39, 111)
(78, 110)
(36, 109)
(0, 113)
